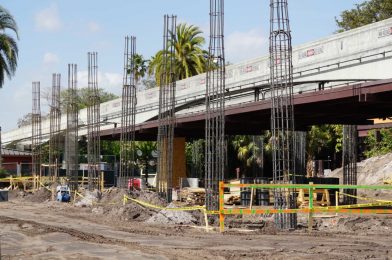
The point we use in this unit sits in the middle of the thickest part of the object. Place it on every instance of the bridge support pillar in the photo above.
(179, 160)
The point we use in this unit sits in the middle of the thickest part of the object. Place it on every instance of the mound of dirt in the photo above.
(113, 195)
(360, 225)
(39, 196)
(172, 217)
(372, 171)
(149, 197)
(111, 205)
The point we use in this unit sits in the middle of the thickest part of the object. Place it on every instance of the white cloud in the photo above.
(111, 82)
(245, 45)
(50, 58)
(93, 27)
(48, 19)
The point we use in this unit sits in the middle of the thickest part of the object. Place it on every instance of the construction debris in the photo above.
(193, 196)
(172, 217)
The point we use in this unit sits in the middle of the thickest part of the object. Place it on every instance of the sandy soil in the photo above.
(50, 230)
(34, 227)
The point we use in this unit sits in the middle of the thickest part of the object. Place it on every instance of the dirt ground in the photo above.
(33, 227)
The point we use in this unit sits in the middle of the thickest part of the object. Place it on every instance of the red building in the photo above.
(16, 162)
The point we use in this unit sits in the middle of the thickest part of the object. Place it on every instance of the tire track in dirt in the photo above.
(95, 238)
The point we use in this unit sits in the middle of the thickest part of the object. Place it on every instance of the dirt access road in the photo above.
(57, 231)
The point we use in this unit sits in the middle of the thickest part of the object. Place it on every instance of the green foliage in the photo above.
(379, 147)
(3, 173)
(190, 58)
(324, 139)
(25, 120)
(82, 101)
(366, 13)
(110, 148)
(8, 46)
(140, 67)
(247, 149)
(145, 153)
(194, 152)
(83, 97)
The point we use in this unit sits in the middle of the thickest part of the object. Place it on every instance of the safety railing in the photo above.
(311, 209)
(31, 183)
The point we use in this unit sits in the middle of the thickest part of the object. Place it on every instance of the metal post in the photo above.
(128, 114)
(71, 141)
(310, 216)
(282, 112)
(36, 131)
(300, 156)
(222, 206)
(54, 134)
(215, 107)
(349, 162)
(166, 116)
(93, 123)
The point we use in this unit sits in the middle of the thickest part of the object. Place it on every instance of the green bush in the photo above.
(3, 173)
(379, 147)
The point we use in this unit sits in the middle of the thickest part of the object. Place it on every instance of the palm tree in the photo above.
(190, 59)
(8, 46)
(248, 149)
(139, 67)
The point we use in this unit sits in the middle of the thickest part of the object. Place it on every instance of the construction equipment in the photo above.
(63, 193)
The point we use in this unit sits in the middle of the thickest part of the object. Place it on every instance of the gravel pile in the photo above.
(171, 217)
(89, 197)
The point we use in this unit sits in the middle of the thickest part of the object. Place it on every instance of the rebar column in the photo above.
(166, 116)
(36, 130)
(300, 156)
(128, 114)
(54, 131)
(215, 106)
(282, 112)
(349, 162)
(71, 138)
(93, 123)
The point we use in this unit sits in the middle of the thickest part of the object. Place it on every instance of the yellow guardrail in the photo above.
(38, 181)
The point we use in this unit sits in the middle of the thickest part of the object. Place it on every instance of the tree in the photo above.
(139, 67)
(194, 152)
(25, 120)
(379, 143)
(190, 59)
(248, 150)
(8, 46)
(366, 13)
(82, 101)
(83, 97)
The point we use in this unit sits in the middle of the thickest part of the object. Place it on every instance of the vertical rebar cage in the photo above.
(54, 131)
(215, 106)
(166, 115)
(349, 162)
(71, 140)
(128, 114)
(93, 122)
(36, 130)
(300, 156)
(282, 112)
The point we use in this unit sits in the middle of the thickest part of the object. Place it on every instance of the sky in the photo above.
(54, 33)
